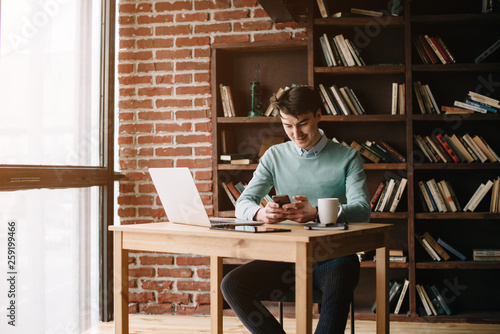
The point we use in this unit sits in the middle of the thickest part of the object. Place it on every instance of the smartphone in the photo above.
(249, 228)
(281, 199)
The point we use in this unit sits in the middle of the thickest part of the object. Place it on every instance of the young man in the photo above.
(306, 168)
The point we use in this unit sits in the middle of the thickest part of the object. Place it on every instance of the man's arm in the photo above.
(357, 208)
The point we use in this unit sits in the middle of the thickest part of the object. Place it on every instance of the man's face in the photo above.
(303, 131)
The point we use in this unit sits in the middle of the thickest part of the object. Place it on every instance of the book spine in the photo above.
(349, 61)
(451, 249)
(440, 50)
(482, 106)
(487, 52)
(468, 106)
(441, 300)
(447, 147)
(365, 152)
(431, 197)
(433, 47)
(229, 194)
(445, 256)
(428, 50)
(425, 194)
(399, 193)
(376, 196)
(323, 8)
(336, 93)
(393, 151)
(446, 49)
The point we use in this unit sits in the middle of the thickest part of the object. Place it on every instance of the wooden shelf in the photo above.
(459, 265)
(386, 21)
(384, 166)
(236, 167)
(389, 215)
(364, 70)
(456, 19)
(457, 215)
(453, 117)
(363, 118)
(372, 264)
(483, 67)
(465, 166)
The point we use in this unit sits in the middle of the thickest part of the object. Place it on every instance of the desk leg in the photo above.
(382, 294)
(303, 289)
(216, 300)
(120, 273)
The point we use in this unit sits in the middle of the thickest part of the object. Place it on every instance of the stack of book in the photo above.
(376, 152)
(481, 192)
(339, 51)
(425, 98)
(432, 300)
(395, 255)
(340, 101)
(227, 101)
(466, 148)
(239, 158)
(486, 254)
(397, 293)
(438, 196)
(433, 50)
(474, 103)
(388, 195)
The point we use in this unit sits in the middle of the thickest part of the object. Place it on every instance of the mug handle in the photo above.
(340, 211)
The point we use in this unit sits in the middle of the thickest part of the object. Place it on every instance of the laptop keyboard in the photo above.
(214, 222)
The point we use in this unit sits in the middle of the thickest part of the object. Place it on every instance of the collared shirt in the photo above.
(316, 149)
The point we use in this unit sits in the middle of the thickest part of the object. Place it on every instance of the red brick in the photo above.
(203, 299)
(173, 103)
(203, 102)
(127, 188)
(134, 80)
(128, 152)
(203, 175)
(173, 151)
(154, 140)
(148, 19)
(158, 285)
(201, 77)
(137, 176)
(133, 308)
(154, 91)
(174, 30)
(215, 28)
(252, 26)
(191, 17)
(190, 139)
(194, 163)
(144, 7)
(203, 127)
(192, 260)
(155, 43)
(259, 13)
(193, 66)
(231, 39)
(135, 200)
(245, 3)
(210, 4)
(126, 8)
(125, 140)
(272, 36)
(156, 308)
(126, 19)
(154, 115)
(173, 127)
(132, 284)
(146, 188)
(155, 163)
(139, 55)
(192, 90)
(125, 68)
(198, 151)
(178, 298)
(204, 187)
(126, 92)
(191, 310)
(171, 6)
(132, 32)
(128, 164)
(190, 114)
(127, 44)
(231, 15)
(145, 152)
(153, 213)
(164, 79)
(193, 286)
(173, 54)
(156, 260)
(141, 272)
(175, 272)
(141, 297)
(202, 53)
(136, 128)
(127, 212)
(126, 116)
(192, 41)
(183, 78)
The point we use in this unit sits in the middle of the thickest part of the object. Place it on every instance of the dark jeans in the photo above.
(336, 278)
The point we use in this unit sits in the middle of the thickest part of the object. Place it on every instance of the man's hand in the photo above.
(271, 214)
(301, 211)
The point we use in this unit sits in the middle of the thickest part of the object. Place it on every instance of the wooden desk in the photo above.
(303, 247)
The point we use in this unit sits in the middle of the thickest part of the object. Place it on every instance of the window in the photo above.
(57, 160)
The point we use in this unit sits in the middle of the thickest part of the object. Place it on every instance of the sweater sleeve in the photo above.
(259, 186)
(357, 208)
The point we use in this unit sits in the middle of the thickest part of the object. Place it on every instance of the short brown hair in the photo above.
(297, 101)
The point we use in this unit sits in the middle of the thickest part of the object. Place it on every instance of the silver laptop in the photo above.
(181, 200)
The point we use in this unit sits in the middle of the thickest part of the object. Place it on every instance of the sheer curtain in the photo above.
(50, 116)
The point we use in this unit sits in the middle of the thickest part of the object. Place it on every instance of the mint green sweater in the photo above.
(337, 171)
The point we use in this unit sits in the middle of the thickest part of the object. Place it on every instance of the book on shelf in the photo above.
(388, 195)
(227, 101)
(451, 249)
(402, 296)
(433, 50)
(379, 151)
(367, 12)
(423, 299)
(428, 248)
(339, 100)
(437, 247)
(229, 193)
(394, 291)
(465, 105)
(440, 298)
(425, 99)
(434, 300)
(484, 99)
(392, 151)
(323, 8)
(439, 196)
(365, 153)
(447, 147)
(487, 52)
(486, 254)
(236, 156)
(271, 111)
(495, 196)
(327, 51)
(232, 188)
(431, 56)
(478, 196)
(455, 110)
(227, 141)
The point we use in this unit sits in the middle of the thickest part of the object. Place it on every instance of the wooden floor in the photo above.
(142, 324)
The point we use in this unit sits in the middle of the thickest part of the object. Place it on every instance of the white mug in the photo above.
(329, 210)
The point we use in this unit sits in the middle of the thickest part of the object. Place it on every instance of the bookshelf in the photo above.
(390, 56)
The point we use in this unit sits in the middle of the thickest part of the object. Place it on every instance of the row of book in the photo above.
(227, 101)
(395, 9)
(481, 192)
(339, 51)
(432, 300)
(438, 196)
(438, 249)
(433, 50)
(340, 101)
(397, 295)
(476, 103)
(398, 99)
(388, 195)
(425, 98)
(376, 152)
(466, 148)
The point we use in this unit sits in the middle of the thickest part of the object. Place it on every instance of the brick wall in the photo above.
(164, 121)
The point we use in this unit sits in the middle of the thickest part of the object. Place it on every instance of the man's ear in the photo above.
(318, 115)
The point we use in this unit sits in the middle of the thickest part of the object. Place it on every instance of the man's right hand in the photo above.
(271, 214)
